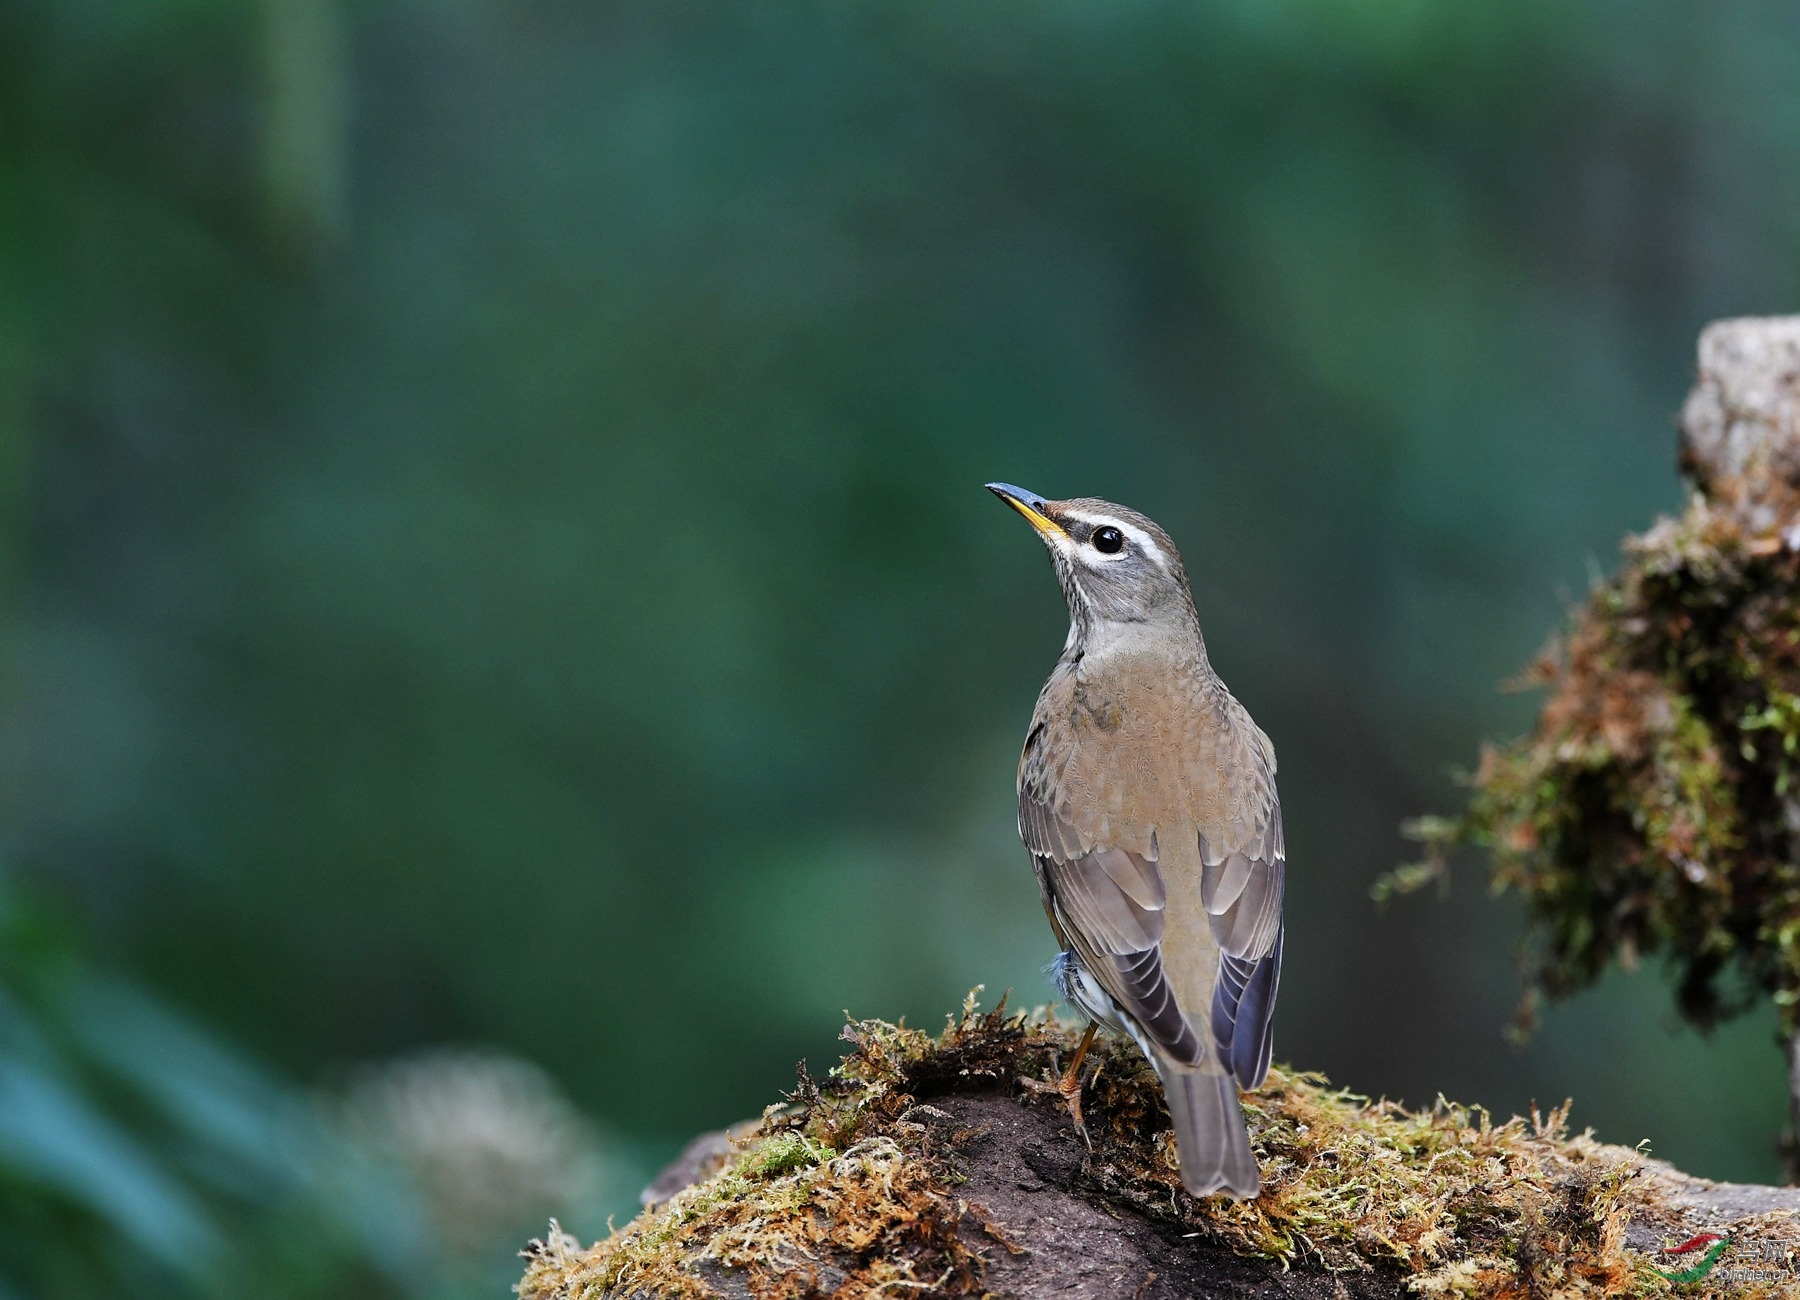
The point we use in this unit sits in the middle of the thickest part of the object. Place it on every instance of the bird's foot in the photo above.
(1067, 1086)
(1070, 1088)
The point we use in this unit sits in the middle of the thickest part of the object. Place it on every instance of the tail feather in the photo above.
(1209, 1131)
(1253, 1039)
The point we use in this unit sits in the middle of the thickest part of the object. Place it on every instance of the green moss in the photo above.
(845, 1179)
(1652, 811)
(782, 1154)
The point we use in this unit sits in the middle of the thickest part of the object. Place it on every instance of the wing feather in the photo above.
(1243, 892)
(1108, 905)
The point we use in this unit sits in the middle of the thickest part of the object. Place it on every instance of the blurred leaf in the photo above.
(220, 1102)
(48, 1133)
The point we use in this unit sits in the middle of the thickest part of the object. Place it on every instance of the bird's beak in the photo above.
(1031, 505)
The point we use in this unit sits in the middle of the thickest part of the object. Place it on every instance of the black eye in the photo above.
(1108, 541)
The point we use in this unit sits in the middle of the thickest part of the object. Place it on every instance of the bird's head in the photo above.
(1116, 567)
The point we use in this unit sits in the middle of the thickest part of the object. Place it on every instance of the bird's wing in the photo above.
(1244, 870)
(1107, 904)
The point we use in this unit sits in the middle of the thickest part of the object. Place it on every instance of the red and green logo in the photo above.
(1695, 1257)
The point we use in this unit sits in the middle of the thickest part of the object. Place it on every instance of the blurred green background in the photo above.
(495, 560)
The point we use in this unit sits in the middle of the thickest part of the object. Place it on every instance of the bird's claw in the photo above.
(1068, 1087)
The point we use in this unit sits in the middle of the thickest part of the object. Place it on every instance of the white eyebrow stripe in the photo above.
(1144, 541)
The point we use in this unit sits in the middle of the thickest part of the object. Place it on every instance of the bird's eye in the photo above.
(1108, 541)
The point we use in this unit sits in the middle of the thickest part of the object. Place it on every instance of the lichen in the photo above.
(1654, 810)
(843, 1189)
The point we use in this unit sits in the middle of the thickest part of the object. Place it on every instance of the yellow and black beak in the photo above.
(1032, 506)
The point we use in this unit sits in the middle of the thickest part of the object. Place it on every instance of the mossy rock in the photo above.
(923, 1166)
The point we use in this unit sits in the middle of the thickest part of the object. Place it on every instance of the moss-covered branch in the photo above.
(1649, 813)
(1655, 809)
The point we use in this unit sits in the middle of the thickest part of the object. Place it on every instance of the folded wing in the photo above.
(1243, 891)
(1107, 905)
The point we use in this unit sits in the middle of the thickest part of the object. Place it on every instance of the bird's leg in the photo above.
(1069, 1086)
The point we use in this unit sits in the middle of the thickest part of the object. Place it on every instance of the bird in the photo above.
(1147, 802)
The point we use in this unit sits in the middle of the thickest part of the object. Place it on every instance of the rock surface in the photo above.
(1740, 427)
(1028, 1172)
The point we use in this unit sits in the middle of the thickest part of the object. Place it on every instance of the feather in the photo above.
(1209, 1132)
(1119, 943)
(1243, 1013)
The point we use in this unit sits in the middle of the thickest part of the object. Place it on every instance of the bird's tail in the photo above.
(1209, 1131)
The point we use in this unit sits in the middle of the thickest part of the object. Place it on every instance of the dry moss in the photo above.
(1655, 808)
(844, 1189)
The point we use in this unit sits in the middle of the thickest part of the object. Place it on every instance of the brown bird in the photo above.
(1147, 801)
